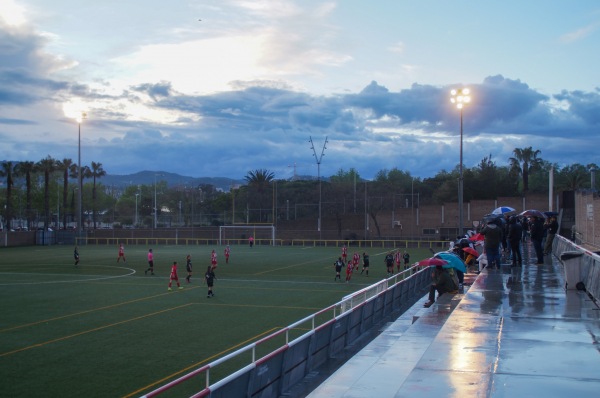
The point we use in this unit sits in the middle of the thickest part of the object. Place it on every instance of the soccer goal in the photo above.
(239, 234)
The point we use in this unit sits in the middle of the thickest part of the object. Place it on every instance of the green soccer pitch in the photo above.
(105, 329)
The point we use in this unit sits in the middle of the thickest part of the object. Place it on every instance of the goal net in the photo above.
(240, 234)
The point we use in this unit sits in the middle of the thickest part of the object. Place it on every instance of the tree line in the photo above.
(263, 198)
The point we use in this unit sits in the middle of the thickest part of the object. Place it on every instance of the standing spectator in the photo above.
(491, 244)
(150, 263)
(515, 234)
(251, 241)
(536, 231)
(365, 263)
(406, 258)
(552, 227)
(338, 268)
(174, 276)
(442, 283)
(213, 259)
(525, 225)
(188, 268)
(210, 277)
(76, 256)
(227, 253)
(389, 263)
(121, 254)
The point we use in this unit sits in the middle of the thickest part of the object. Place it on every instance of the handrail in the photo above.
(363, 296)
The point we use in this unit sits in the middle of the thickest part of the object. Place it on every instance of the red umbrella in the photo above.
(432, 262)
(477, 237)
(471, 251)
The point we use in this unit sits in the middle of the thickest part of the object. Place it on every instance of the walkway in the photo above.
(514, 333)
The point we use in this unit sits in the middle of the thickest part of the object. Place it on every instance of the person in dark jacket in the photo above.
(515, 234)
(551, 227)
(536, 231)
(491, 244)
(442, 283)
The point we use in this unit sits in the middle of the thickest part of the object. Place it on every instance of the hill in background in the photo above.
(172, 179)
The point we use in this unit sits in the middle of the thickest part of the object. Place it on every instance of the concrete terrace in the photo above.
(514, 333)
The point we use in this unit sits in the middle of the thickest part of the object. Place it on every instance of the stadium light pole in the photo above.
(81, 116)
(155, 202)
(460, 98)
(318, 159)
(136, 209)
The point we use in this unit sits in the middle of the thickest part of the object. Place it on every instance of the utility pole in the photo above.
(318, 159)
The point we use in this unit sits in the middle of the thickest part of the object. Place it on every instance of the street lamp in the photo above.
(155, 202)
(460, 98)
(136, 209)
(80, 118)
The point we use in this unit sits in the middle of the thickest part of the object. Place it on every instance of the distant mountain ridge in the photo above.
(149, 177)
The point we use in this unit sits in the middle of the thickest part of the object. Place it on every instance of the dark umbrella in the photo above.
(551, 213)
(533, 213)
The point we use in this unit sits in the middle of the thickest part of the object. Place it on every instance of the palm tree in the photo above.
(8, 171)
(572, 177)
(259, 182)
(524, 162)
(26, 169)
(96, 171)
(69, 169)
(47, 166)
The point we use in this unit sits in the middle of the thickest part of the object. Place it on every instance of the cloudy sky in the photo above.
(217, 88)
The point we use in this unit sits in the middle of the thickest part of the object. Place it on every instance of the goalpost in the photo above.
(243, 232)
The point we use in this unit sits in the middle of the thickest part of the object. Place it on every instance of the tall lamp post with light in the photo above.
(460, 98)
(136, 209)
(80, 118)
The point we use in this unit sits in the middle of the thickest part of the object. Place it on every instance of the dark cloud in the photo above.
(583, 105)
(155, 91)
(16, 121)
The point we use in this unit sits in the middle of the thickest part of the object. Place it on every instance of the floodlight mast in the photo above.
(318, 159)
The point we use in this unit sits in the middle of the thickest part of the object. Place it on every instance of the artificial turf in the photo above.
(105, 329)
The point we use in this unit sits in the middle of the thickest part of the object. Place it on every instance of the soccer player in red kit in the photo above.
(213, 259)
(227, 253)
(355, 260)
(174, 276)
(344, 253)
(121, 253)
(398, 259)
(349, 269)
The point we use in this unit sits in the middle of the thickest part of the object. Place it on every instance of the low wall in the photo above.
(589, 265)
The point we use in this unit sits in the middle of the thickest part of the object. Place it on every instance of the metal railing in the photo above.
(328, 331)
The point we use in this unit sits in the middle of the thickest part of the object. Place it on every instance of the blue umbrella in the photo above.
(453, 261)
(502, 210)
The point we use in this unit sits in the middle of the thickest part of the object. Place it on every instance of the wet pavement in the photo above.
(516, 332)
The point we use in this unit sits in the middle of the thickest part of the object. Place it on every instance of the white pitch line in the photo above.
(69, 281)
